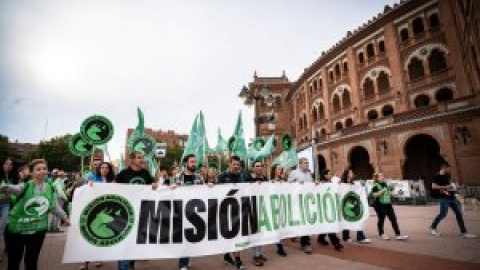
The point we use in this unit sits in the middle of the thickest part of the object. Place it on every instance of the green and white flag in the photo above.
(190, 148)
(266, 150)
(201, 141)
(222, 144)
(240, 148)
(140, 129)
(287, 159)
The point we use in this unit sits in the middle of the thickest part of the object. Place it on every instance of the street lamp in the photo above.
(250, 98)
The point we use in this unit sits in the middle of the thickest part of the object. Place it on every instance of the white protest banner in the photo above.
(122, 222)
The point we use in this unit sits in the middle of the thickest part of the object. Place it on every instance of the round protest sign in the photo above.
(79, 147)
(144, 143)
(96, 130)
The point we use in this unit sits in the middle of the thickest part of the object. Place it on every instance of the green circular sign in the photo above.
(286, 142)
(258, 143)
(352, 208)
(144, 143)
(107, 220)
(96, 130)
(79, 147)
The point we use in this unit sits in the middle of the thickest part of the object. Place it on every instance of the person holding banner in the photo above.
(134, 174)
(188, 178)
(232, 175)
(383, 207)
(444, 189)
(257, 176)
(278, 178)
(302, 175)
(28, 218)
(349, 177)
(326, 177)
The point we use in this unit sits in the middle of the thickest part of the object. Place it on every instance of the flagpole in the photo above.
(81, 165)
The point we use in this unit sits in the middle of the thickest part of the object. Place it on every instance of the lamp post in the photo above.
(250, 97)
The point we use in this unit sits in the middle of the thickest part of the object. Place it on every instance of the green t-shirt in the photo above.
(385, 198)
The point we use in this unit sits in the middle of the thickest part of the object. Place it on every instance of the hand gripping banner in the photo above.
(123, 222)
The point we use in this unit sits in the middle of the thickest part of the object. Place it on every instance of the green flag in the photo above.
(239, 148)
(191, 142)
(252, 152)
(267, 149)
(201, 147)
(222, 144)
(141, 122)
(121, 166)
(152, 166)
(287, 159)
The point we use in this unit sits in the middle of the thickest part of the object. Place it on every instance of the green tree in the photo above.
(57, 153)
(5, 149)
(174, 154)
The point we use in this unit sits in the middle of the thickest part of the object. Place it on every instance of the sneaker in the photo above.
(239, 265)
(227, 259)
(401, 237)
(184, 268)
(257, 261)
(469, 236)
(348, 240)
(98, 264)
(281, 252)
(385, 237)
(262, 258)
(365, 241)
(307, 249)
(433, 232)
(338, 247)
(83, 266)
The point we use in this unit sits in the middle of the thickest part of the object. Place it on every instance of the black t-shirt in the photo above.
(227, 177)
(129, 176)
(442, 180)
(252, 179)
(189, 180)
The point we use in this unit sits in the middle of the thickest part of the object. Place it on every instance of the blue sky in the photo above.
(62, 61)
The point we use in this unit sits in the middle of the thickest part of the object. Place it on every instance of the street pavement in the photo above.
(421, 251)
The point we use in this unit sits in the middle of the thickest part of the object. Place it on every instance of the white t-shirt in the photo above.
(300, 176)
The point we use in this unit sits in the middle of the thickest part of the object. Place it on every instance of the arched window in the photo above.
(361, 58)
(415, 69)
(383, 82)
(417, 26)
(305, 121)
(387, 110)
(346, 99)
(315, 86)
(336, 103)
(330, 75)
(348, 122)
(433, 20)
(368, 90)
(300, 123)
(337, 70)
(345, 67)
(370, 51)
(372, 115)
(404, 34)
(278, 101)
(317, 135)
(436, 61)
(444, 94)
(314, 114)
(422, 101)
(321, 112)
(323, 133)
(381, 46)
(338, 126)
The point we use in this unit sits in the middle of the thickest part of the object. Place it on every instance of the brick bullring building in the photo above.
(399, 94)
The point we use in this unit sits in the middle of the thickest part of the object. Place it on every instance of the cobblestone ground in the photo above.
(421, 251)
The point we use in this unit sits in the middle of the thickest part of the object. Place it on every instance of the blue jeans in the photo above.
(4, 208)
(455, 205)
(183, 262)
(346, 235)
(256, 251)
(123, 265)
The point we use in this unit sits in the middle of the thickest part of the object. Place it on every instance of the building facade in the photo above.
(400, 94)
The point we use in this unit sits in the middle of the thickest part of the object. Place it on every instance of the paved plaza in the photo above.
(421, 251)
